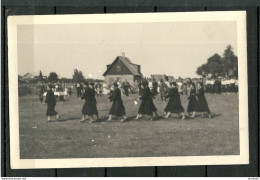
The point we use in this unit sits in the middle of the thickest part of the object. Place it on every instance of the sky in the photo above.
(171, 48)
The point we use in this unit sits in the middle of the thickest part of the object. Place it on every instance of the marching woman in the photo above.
(174, 103)
(202, 104)
(90, 107)
(51, 103)
(117, 108)
(146, 107)
(192, 100)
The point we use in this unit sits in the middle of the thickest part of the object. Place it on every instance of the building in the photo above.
(158, 77)
(122, 69)
(170, 78)
(32, 78)
(29, 76)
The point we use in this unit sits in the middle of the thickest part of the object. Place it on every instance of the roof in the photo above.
(158, 75)
(29, 75)
(127, 63)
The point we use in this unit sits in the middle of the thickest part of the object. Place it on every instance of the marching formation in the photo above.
(147, 91)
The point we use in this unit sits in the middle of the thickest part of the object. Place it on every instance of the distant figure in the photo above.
(117, 108)
(192, 100)
(139, 84)
(212, 85)
(90, 107)
(78, 88)
(147, 106)
(179, 83)
(174, 103)
(41, 91)
(51, 103)
(236, 86)
(150, 85)
(155, 86)
(69, 91)
(162, 89)
(98, 89)
(185, 88)
(232, 85)
(223, 86)
(126, 87)
(202, 105)
(217, 86)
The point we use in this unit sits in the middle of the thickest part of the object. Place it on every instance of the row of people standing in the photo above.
(219, 86)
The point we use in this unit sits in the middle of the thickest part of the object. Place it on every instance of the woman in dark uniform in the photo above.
(146, 107)
(174, 103)
(202, 104)
(118, 108)
(51, 103)
(192, 100)
(90, 107)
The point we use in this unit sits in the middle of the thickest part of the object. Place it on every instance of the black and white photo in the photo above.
(114, 90)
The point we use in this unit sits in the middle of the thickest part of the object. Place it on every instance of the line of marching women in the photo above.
(197, 102)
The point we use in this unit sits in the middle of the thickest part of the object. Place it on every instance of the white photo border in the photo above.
(237, 16)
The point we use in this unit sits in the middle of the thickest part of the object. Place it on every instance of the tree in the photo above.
(213, 67)
(40, 74)
(78, 76)
(220, 66)
(230, 62)
(199, 71)
(53, 77)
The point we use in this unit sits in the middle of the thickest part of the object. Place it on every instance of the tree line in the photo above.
(76, 77)
(225, 66)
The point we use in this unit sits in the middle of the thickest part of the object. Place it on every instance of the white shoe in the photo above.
(123, 119)
(82, 120)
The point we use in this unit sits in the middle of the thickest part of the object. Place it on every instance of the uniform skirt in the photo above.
(147, 107)
(202, 105)
(90, 108)
(50, 109)
(192, 104)
(174, 105)
(117, 109)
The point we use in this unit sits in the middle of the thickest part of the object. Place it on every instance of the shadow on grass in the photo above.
(132, 118)
(215, 115)
(205, 116)
(68, 119)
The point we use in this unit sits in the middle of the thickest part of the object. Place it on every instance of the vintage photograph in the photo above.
(128, 89)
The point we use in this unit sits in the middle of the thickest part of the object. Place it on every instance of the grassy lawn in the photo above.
(69, 138)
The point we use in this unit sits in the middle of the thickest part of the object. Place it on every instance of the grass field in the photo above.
(69, 138)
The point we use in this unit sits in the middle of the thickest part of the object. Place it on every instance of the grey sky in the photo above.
(172, 48)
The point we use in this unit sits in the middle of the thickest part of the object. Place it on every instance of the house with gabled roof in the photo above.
(122, 69)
